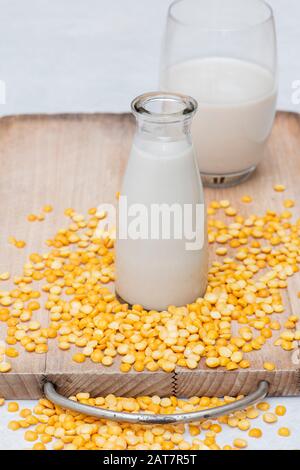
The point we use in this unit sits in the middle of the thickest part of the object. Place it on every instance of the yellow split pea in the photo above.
(12, 407)
(47, 208)
(269, 418)
(280, 410)
(255, 432)
(270, 366)
(5, 367)
(240, 443)
(4, 276)
(284, 432)
(246, 199)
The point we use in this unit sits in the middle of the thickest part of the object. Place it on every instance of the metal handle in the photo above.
(143, 418)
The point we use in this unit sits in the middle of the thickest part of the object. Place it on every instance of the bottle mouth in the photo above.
(217, 15)
(164, 107)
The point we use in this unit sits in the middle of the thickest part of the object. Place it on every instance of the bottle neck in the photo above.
(164, 117)
(165, 132)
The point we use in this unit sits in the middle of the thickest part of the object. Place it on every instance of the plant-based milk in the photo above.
(160, 272)
(236, 108)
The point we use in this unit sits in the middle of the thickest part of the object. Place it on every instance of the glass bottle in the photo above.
(161, 246)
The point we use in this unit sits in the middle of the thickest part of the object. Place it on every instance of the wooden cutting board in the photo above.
(78, 161)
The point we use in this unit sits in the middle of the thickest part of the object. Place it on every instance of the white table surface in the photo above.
(95, 55)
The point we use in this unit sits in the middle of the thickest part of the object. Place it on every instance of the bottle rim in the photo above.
(269, 16)
(164, 107)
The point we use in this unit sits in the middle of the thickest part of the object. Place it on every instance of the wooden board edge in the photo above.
(117, 383)
(238, 382)
(21, 386)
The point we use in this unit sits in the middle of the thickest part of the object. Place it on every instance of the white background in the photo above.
(96, 55)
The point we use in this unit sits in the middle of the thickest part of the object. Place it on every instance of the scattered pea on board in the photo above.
(80, 262)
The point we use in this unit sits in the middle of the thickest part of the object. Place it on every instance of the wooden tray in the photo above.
(78, 161)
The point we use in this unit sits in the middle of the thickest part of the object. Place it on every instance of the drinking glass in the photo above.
(223, 53)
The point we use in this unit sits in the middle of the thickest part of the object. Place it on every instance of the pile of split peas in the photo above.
(244, 289)
(66, 430)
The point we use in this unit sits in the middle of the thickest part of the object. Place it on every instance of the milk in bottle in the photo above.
(161, 246)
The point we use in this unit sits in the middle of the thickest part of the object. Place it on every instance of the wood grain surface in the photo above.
(78, 161)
